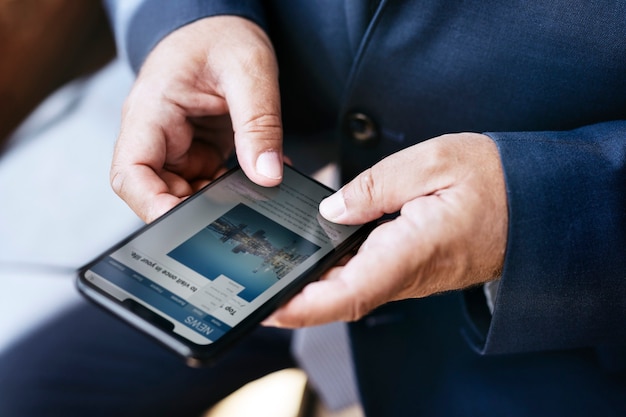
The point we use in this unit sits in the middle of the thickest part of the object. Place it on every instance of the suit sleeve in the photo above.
(140, 24)
(564, 279)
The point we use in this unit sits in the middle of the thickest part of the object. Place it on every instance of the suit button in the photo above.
(361, 128)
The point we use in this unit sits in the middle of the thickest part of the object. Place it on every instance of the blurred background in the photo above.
(61, 93)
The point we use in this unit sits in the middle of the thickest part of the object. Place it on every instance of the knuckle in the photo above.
(117, 180)
(359, 309)
(367, 188)
(263, 123)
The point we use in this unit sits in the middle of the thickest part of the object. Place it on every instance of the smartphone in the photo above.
(211, 269)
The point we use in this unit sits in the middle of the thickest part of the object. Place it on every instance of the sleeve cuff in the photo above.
(563, 281)
(155, 19)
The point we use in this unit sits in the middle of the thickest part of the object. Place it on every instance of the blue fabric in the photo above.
(87, 363)
(548, 81)
(157, 18)
(412, 359)
(564, 277)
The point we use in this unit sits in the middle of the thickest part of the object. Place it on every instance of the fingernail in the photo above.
(333, 207)
(269, 165)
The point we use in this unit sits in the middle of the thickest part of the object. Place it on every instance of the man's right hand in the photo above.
(205, 89)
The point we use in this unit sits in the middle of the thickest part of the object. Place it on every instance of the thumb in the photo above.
(252, 93)
(382, 189)
(361, 200)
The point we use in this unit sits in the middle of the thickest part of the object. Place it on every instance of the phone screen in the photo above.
(198, 272)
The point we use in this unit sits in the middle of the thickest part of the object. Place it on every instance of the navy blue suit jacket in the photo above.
(547, 81)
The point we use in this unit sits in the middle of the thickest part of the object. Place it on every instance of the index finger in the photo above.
(251, 90)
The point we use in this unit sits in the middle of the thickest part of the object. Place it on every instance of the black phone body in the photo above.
(207, 272)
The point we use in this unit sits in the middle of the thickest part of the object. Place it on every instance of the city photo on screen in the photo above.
(246, 247)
